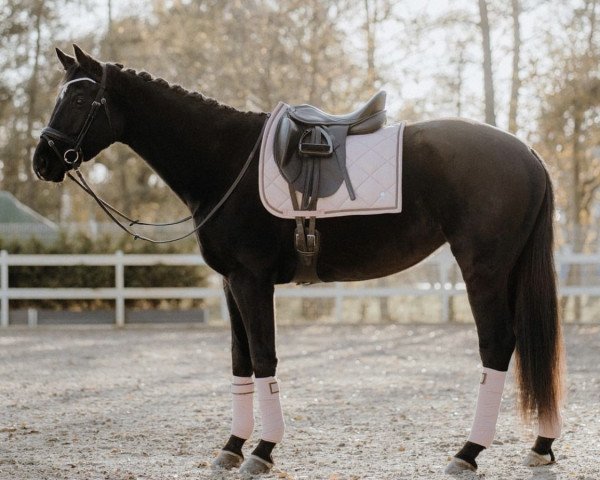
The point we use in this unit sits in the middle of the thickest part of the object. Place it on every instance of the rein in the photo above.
(73, 158)
(111, 211)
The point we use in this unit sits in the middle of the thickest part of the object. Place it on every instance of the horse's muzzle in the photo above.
(46, 166)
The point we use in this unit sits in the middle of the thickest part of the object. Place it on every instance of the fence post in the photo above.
(119, 286)
(445, 265)
(4, 288)
(223, 306)
(339, 302)
(32, 317)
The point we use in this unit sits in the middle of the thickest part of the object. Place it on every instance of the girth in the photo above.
(310, 151)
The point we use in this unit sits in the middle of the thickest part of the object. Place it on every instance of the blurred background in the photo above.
(528, 66)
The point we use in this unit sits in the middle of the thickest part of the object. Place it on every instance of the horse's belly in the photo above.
(362, 248)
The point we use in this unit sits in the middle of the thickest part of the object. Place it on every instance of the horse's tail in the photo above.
(539, 345)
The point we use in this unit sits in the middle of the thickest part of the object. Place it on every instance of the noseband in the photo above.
(73, 156)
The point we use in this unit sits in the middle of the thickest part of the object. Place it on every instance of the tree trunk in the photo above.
(314, 51)
(460, 80)
(488, 79)
(516, 81)
(577, 235)
(32, 94)
(109, 31)
(591, 44)
(370, 18)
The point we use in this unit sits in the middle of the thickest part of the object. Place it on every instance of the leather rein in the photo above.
(73, 158)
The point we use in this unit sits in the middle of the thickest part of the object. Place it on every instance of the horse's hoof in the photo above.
(254, 465)
(534, 459)
(458, 466)
(227, 460)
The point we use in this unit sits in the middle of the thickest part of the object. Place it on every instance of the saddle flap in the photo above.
(311, 158)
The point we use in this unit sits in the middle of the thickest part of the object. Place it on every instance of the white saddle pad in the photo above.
(374, 164)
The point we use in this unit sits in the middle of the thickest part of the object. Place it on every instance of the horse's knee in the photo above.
(264, 366)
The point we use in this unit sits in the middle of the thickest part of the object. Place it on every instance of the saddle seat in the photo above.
(366, 119)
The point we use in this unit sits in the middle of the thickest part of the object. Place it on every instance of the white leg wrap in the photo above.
(550, 428)
(271, 414)
(242, 393)
(488, 406)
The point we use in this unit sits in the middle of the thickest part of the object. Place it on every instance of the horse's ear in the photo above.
(67, 60)
(90, 65)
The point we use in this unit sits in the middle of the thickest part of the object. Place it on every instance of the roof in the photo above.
(13, 211)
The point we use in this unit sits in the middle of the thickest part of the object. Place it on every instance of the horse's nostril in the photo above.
(40, 166)
(48, 170)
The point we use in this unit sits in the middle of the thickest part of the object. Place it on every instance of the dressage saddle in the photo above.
(310, 151)
(310, 147)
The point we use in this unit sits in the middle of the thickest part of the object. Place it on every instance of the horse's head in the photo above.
(84, 120)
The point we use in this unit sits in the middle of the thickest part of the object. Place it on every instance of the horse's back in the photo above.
(467, 146)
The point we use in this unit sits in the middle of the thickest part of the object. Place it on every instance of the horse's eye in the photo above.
(79, 100)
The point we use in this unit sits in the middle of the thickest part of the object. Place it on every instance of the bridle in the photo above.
(73, 158)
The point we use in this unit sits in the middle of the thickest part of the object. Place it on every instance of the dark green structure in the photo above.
(18, 221)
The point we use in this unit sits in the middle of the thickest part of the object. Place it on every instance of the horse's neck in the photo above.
(196, 145)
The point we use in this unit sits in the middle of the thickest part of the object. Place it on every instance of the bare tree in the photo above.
(488, 76)
(27, 82)
(376, 12)
(515, 84)
(569, 123)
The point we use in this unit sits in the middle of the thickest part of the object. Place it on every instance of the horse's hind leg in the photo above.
(487, 288)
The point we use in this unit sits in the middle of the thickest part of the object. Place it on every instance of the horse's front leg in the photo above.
(250, 302)
(242, 389)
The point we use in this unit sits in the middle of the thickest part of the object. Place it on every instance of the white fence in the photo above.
(442, 288)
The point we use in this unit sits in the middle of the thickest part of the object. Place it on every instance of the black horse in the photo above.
(471, 185)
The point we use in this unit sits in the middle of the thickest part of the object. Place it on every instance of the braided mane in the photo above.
(181, 91)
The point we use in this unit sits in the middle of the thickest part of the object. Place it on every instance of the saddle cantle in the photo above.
(310, 152)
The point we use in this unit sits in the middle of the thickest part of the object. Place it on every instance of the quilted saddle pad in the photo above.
(374, 163)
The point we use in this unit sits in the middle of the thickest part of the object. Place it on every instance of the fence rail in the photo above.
(442, 288)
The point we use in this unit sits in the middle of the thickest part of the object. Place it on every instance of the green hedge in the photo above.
(98, 277)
